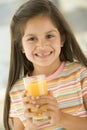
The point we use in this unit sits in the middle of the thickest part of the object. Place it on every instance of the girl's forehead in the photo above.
(39, 18)
(39, 24)
(40, 21)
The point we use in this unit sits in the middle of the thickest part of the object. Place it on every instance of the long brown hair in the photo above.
(18, 62)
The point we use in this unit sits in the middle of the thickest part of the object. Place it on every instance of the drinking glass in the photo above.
(36, 86)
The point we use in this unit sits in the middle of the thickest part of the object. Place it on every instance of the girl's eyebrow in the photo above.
(54, 30)
(31, 34)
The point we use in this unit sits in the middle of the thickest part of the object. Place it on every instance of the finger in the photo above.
(25, 100)
(23, 93)
(29, 115)
(48, 100)
(31, 106)
(30, 125)
(48, 107)
(47, 96)
(51, 115)
(29, 99)
(50, 92)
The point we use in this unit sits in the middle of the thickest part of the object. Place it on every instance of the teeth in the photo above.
(44, 54)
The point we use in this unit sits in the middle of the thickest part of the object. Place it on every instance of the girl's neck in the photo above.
(46, 70)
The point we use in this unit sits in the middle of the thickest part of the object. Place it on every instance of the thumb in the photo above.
(50, 93)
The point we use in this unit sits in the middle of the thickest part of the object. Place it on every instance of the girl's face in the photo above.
(41, 42)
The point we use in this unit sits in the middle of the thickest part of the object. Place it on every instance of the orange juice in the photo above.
(36, 86)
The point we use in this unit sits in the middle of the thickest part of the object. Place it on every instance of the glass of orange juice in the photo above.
(36, 86)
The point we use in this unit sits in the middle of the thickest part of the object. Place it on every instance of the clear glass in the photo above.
(36, 86)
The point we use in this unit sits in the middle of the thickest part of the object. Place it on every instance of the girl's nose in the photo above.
(42, 43)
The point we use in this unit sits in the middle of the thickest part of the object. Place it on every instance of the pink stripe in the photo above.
(64, 87)
(70, 99)
(84, 114)
(57, 72)
(84, 93)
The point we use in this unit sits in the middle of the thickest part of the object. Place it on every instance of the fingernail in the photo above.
(37, 97)
(32, 98)
(37, 106)
(33, 102)
(22, 94)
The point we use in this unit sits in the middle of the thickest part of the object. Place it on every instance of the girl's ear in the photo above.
(22, 49)
(62, 40)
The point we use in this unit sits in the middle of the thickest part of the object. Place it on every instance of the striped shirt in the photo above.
(68, 85)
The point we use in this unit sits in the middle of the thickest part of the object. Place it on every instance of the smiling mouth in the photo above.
(43, 55)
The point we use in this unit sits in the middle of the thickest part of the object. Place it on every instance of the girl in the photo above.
(42, 43)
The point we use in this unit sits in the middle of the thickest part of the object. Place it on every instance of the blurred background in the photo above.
(75, 12)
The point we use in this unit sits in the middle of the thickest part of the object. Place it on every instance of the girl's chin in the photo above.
(44, 64)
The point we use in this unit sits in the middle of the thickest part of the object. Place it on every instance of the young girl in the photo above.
(42, 43)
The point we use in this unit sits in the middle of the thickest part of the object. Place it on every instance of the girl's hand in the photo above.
(29, 103)
(51, 105)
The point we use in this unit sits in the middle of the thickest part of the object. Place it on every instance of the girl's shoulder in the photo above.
(18, 86)
(75, 68)
(74, 65)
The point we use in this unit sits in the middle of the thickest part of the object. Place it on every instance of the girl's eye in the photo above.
(32, 39)
(49, 36)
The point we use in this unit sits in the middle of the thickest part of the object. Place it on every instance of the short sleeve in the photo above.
(16, 104)
(13, 112)
(84, 80)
